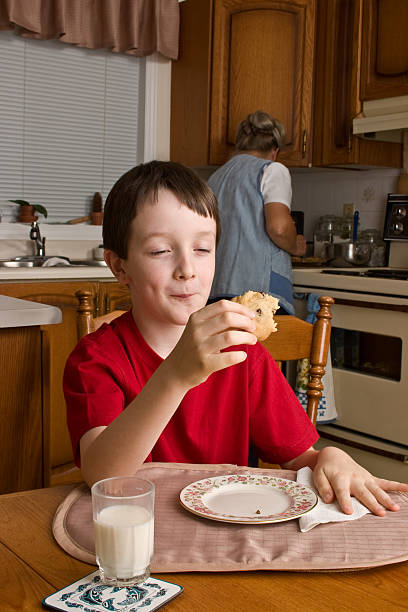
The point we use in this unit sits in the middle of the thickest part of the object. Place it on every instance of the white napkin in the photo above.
(55, 261)
(325, 513)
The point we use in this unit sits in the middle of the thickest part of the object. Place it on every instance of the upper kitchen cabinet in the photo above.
(384, 67)
(238, 56)
(345, 35)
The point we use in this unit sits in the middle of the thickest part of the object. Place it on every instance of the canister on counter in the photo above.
(373, 236)
(328, 230)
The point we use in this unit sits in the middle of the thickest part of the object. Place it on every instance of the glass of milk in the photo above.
(123, 516)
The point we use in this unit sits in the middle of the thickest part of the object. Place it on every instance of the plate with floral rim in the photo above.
(248, 498)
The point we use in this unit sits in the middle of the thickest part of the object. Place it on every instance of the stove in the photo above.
(369, 352)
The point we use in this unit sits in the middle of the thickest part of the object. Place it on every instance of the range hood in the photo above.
(384, 119)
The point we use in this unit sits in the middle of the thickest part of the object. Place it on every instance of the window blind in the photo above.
(71, 122)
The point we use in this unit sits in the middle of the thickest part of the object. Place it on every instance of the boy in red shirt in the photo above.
(174, 379)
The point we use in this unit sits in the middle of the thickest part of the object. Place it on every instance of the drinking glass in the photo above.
(123, 516)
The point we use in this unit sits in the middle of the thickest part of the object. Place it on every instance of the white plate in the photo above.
(248, 498)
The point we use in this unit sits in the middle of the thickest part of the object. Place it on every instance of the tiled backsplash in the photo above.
(323, 191)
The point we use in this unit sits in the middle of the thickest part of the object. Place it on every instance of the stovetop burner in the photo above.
(372, 273)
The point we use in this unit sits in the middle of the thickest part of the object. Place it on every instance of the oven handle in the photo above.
(375, 305)
(365, 447)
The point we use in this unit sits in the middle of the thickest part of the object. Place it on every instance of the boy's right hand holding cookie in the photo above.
(200, 350)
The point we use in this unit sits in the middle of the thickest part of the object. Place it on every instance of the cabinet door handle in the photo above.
(304, 141)
(350, 139)
(96, 305)
(107, 303)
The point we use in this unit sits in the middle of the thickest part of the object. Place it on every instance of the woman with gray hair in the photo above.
(254, 193)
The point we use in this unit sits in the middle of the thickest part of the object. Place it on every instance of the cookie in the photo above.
(264, 306)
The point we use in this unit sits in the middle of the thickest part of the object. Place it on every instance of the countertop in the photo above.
(56, 273)
(303, 278)
(22, 313)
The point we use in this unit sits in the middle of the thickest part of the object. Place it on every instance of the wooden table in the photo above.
(32, 566)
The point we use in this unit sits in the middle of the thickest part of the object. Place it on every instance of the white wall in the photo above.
(319, 192)
(157, 108)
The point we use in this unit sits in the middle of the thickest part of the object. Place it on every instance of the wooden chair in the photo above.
(86, 323)
(297, 339)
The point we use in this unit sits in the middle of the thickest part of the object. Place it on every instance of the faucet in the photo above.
(39, 242)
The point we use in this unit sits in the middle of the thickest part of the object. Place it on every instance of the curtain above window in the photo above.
(135, 27)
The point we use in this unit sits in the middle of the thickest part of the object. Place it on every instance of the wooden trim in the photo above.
(46, 407)
(191, 85)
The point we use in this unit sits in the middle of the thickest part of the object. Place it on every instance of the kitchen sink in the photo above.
(88, 262)
(37, 261)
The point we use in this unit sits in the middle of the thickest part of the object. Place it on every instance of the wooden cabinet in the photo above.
(21, 420)
(384, 67)
(238, 56)
(338, 97)
(57, 342)
(113, 296)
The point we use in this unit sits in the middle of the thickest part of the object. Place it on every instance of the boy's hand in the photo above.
(198, 353)
(336, 474)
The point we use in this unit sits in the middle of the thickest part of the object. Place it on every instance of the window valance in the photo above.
(135, 27)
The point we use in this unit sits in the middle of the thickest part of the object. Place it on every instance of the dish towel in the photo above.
(55, 261)
(325, 513)
(326, 411)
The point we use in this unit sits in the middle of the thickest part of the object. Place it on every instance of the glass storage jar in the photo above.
(328, 230)
(373, 236)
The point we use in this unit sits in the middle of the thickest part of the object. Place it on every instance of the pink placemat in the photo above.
(185, 542)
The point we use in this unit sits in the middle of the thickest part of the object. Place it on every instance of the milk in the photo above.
(124, 537)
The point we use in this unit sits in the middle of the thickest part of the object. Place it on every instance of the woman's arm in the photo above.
(281, 229)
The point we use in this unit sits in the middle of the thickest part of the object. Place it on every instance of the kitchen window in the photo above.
(72, 121)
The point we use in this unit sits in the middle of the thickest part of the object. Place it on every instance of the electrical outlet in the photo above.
(348, 210)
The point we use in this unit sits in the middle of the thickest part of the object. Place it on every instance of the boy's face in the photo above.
(170, 262)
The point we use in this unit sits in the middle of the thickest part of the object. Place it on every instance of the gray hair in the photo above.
(260, 132)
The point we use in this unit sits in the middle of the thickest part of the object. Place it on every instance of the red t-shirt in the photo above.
(214, 423)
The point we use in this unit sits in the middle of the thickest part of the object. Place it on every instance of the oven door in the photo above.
(369, 348)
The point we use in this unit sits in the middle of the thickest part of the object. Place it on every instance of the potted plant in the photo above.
(27, 211)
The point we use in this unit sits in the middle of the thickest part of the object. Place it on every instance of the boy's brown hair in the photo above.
(140, 186)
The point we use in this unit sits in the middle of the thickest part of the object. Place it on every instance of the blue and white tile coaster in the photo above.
(90, 595)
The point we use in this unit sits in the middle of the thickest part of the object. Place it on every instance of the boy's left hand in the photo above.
(336, 474)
